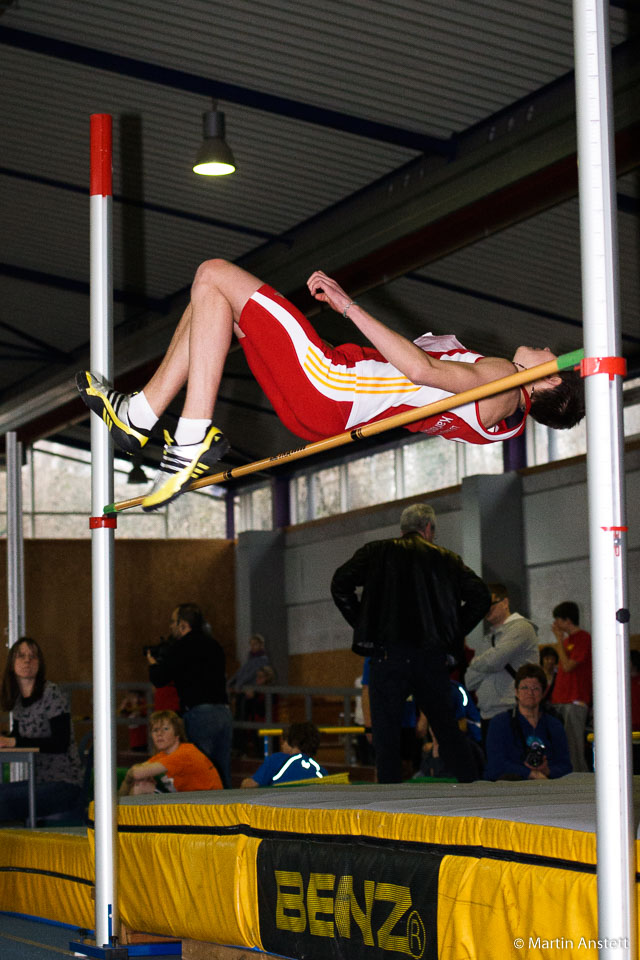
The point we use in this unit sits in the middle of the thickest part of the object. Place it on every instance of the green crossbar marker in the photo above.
(568, 360)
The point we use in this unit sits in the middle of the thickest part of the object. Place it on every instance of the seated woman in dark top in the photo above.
(527, 742)
(41, 718)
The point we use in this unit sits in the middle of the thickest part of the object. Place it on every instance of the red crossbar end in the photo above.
(95, 522)
(613, 366)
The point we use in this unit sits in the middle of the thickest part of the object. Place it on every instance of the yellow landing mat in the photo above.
(47, 874)
(446, 871)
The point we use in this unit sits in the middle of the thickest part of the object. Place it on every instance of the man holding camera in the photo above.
(195, 662)
(527, 742)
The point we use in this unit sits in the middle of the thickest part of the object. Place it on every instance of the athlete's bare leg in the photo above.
(196, 356)
(199, 347)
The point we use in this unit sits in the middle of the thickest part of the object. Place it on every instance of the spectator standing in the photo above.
(411, 746)
(362, 718)
(257, 658)
(513, 641)
(469, 721)
(549, 662)
(195, 662)
(527, 743)
(134, 708)
(247, 676)
(573, 687)
(634, 669)
(255, 710)
(418, 602)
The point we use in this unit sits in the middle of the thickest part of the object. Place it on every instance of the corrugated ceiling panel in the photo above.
(538, 263)
(56, 317)
(286, 170)
(453, 64)
(414, 309)
(59, 243)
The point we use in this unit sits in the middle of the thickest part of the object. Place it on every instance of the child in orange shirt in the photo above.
(180, 764)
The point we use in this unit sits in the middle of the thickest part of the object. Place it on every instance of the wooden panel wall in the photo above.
(325, 668)
(152, 577)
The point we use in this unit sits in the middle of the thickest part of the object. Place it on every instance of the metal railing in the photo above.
(277, 699)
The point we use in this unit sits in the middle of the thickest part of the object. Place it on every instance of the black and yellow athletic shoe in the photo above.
(113, 407)
(180, 465)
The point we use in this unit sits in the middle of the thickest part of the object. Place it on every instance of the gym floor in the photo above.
(24, 939)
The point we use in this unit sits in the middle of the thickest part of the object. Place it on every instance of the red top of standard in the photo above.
(101, 151)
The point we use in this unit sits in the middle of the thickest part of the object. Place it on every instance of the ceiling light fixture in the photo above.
(214, 158)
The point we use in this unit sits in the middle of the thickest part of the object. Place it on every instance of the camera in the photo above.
(159, 650)
(536, 754)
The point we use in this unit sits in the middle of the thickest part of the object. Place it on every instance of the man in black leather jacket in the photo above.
(418, 603)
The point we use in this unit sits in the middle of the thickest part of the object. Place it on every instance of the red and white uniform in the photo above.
(318, 390)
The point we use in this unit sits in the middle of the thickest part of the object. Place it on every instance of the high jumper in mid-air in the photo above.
(317, 390)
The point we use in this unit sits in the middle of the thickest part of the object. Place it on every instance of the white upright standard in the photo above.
(102, 537)
(15, 540)
(605, 445)
(15, 569)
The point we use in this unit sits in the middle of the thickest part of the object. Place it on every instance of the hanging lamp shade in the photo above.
(214, 158)
(137, 474)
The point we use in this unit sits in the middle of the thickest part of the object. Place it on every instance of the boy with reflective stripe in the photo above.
(293, 761)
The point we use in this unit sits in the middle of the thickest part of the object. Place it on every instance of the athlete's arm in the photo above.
(409, 359)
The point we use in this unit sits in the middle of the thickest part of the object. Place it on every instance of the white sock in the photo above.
(140, 413)
(190, 431)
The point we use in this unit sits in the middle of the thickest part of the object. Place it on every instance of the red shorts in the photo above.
(279, 345)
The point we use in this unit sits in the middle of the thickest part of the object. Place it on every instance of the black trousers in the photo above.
(425, 675)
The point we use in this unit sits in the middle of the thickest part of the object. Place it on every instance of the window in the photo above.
(480, 458)
(253, 509)
(414, 466)
(631, 392)
(325, 493)
(56, 500)
(371, 480)
(429, 464)
(545, 445)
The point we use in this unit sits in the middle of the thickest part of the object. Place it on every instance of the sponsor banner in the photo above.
(319, 901)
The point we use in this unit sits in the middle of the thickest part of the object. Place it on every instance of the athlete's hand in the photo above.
(326, 290)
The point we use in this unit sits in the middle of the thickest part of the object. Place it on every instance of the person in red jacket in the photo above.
(573, 687)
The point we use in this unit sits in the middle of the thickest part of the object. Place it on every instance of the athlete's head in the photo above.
(560, 406)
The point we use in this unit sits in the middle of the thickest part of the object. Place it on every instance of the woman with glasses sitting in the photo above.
(40, 718)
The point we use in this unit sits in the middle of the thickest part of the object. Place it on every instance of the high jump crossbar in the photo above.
(566, 361)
